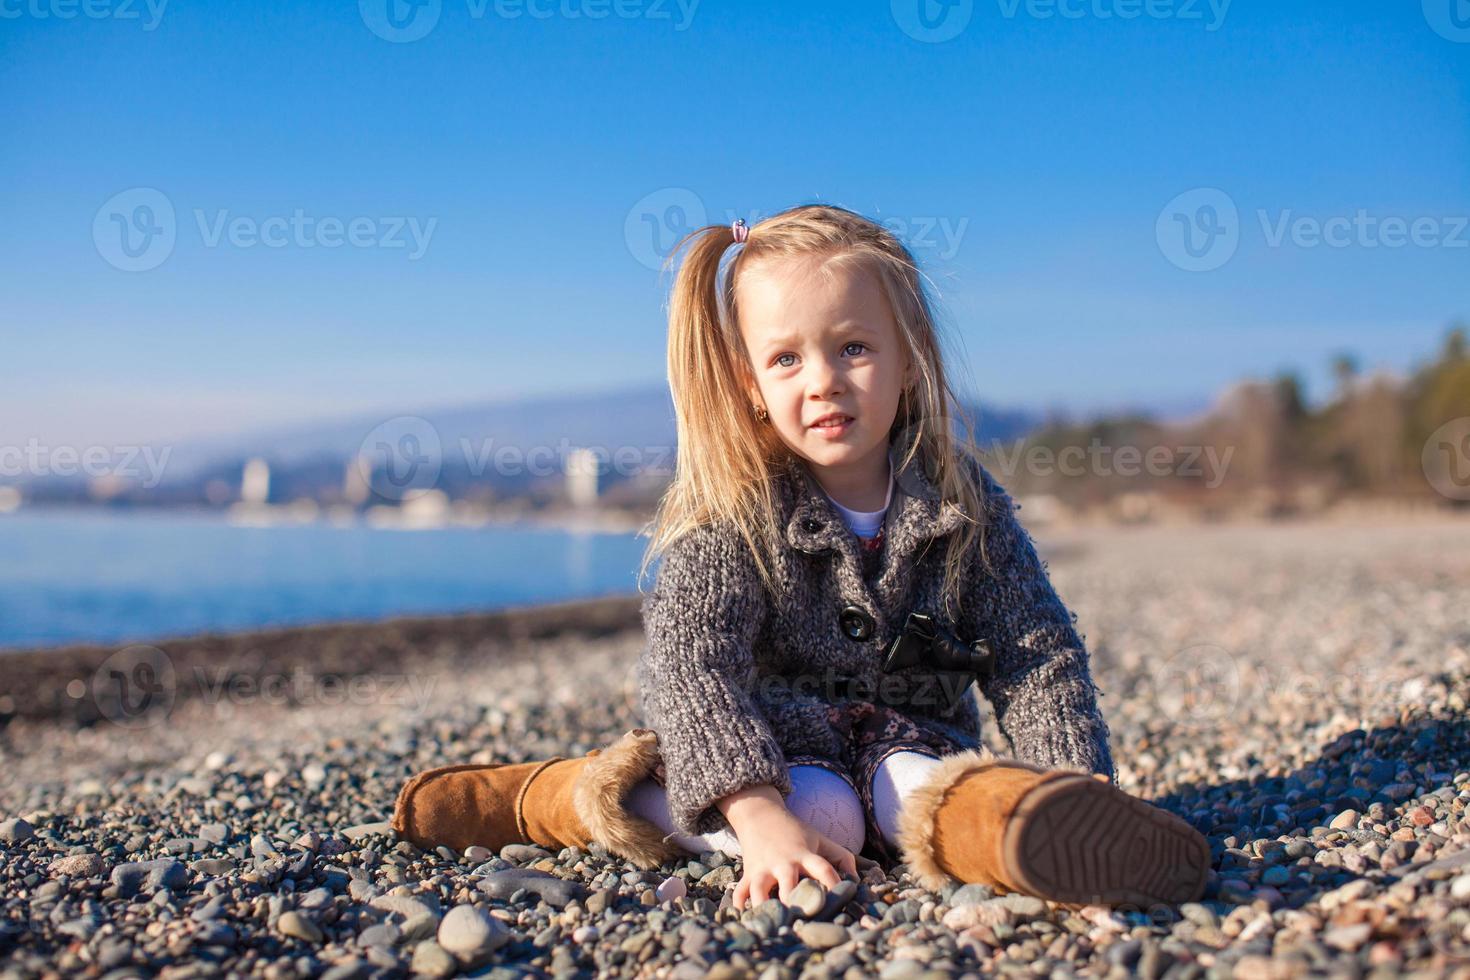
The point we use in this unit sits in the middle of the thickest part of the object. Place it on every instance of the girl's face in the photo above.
(824, 345)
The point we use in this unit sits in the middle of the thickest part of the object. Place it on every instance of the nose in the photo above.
(825, 380)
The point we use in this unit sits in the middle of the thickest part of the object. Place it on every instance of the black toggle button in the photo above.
(856, 623)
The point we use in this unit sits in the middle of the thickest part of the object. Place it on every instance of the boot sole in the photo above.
(1082, 842)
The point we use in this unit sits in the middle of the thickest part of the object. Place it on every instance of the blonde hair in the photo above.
(726, 458)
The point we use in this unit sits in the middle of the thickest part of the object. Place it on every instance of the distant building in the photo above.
(355, 480)
(582, 486)
(255, 484)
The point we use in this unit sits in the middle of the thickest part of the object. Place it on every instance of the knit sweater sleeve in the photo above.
(696, 677)
(1042, 690)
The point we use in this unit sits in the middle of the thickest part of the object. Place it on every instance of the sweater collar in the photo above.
(916, 513)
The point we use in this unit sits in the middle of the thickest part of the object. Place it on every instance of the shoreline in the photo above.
(42, 683)
(621, 521)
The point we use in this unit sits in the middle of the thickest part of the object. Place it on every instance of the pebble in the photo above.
(132, 876)
(16, 831)
(432, 960)
(77, 865)
(555, 891)
(808, 898)
(469, 934)
(298, 926)
(1024, 906)
(670, 889)
(820, 935)
(403, 905)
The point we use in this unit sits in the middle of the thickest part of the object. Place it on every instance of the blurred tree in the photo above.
(1344, 370)
(1454, 344)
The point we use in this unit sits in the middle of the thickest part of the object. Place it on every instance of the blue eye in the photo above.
(856, 344)
(778, 360)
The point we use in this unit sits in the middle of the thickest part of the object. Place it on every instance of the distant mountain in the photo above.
(641, 418)
(638, 417)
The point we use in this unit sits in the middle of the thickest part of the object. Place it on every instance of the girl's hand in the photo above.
(782, 852)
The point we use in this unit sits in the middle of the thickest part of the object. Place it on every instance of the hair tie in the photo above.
(741, 231)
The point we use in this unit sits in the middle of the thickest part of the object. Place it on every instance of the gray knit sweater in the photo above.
(734, 679)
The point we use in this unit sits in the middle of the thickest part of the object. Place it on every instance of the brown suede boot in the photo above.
(554, 803)
(1063, 836)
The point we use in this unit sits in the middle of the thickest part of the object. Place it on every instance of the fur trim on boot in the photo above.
(1068, 837)
(921, 806)
(603, 785)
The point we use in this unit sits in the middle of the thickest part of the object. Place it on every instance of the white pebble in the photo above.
(670, 889)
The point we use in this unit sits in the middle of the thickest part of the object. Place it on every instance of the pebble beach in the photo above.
(1296, 691)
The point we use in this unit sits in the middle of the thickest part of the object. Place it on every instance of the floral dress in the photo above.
(870, 733)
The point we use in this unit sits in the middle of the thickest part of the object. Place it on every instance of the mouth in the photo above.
(833, 423)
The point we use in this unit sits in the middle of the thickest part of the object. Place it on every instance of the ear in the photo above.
(752, 390)
(910, 373)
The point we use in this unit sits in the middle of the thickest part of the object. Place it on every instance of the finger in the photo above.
(742, 890)
(821, 869)
(842, 859)
(760, 888)
(787, 877)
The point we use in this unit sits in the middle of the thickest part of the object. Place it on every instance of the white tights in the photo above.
(819, 798)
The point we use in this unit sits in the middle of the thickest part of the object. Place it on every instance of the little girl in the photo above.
(820, 498)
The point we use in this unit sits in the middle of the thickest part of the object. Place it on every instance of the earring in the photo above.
(761, 414)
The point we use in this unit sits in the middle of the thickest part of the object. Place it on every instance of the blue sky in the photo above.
(1035, 160)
